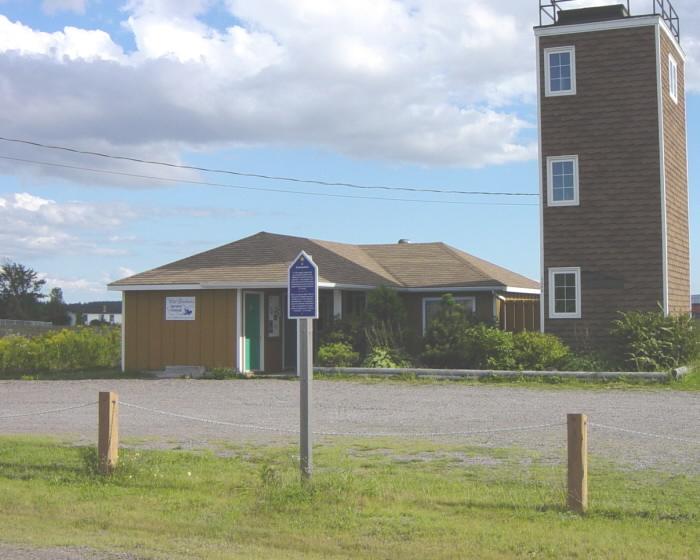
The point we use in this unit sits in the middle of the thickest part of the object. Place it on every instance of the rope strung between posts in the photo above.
(51, 411)
(372, 434)
(646, 434)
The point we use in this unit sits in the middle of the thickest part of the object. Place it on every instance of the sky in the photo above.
(436, 94)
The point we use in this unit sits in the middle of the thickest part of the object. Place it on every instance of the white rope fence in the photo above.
(50, 411)
(326, 433)
(645, 434)
(256, 427)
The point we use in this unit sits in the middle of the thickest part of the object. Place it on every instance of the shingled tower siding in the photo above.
(626, 231)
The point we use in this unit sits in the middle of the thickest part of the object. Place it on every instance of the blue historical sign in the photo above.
(302, 287)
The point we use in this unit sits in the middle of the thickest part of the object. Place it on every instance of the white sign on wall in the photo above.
(180, 308)
(274, 314)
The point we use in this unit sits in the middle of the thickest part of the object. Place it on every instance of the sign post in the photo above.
(302, 289)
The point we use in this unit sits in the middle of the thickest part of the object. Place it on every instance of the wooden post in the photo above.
(108, 431)
(577, 428)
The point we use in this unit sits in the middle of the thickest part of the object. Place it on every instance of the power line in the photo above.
(261, 176)
(259, 189)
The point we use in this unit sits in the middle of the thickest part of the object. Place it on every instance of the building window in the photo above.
(562, 181)
(560, 71)
(673, 78)
(431, 307)
(565, 293)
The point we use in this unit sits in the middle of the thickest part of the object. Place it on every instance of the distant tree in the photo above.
(20, 291)
(56, 309)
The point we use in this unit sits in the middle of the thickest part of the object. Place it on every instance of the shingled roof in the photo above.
(263, 258)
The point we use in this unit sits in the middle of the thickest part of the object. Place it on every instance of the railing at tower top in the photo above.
(550, 9)
(665, 9)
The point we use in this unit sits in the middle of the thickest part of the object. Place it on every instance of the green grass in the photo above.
(369, 499)
(690, 382)
(77, 375)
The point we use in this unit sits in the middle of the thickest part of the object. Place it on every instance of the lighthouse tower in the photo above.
(613, 167)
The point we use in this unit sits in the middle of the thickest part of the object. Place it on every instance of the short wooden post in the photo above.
(577, 428)
(108, 431)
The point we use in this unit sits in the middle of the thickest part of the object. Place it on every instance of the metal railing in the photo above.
(550, 9)
(665, 9)
(19, 323)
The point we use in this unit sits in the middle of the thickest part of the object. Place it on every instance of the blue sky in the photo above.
(377, 92)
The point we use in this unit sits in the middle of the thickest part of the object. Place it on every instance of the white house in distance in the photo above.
(109, 312)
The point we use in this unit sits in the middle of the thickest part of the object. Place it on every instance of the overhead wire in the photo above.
(432, 190)
(249, 188)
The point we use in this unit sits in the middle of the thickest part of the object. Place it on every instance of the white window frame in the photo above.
(673, 78)
(550, 289)
(547, 82)
(550, 181)
(427, 300)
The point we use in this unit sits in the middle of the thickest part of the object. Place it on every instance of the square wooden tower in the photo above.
(613, 167)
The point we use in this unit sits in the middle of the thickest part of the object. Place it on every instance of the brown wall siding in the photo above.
(151, 342)
(676, 174)
(614, 235)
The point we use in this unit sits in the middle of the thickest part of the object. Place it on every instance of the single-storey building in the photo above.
(95, 311)
(227, 307)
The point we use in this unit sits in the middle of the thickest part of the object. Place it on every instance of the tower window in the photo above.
(673, 78)
(562, 181)
(560, 71)
(565, 293)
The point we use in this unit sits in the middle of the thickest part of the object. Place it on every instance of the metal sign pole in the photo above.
(306, 376)
(302, 288)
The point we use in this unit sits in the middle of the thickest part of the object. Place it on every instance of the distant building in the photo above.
(109, 312)
(696, 306)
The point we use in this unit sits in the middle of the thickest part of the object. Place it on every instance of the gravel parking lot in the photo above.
(357, 408)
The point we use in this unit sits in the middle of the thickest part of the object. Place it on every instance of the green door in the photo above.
(252, 331)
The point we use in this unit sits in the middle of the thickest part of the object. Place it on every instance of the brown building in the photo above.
(226, 307)
(613, 164)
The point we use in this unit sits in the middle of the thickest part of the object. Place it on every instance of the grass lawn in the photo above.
(369, 499)
(76, 375)
(690, 382)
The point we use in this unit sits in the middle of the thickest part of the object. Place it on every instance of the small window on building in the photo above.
(562, 181)
(111, 318)
(431, 307)
(565, 293)
(673, 78)
(560, 71)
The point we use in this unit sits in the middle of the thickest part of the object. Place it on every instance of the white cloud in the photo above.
(425, 83)
(54, 6)
(428, 82)
(34, 226)
(70, 44)
(72, 284)
(125, 271)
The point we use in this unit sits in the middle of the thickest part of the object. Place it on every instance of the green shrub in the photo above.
(446, 344)
(383, 357)
(534, 350)
(337, 354)
(649, 341)
(61, 350)
(489, 347)
(586, 362)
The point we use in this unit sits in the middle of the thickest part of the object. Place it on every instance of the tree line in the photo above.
(22, 297)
